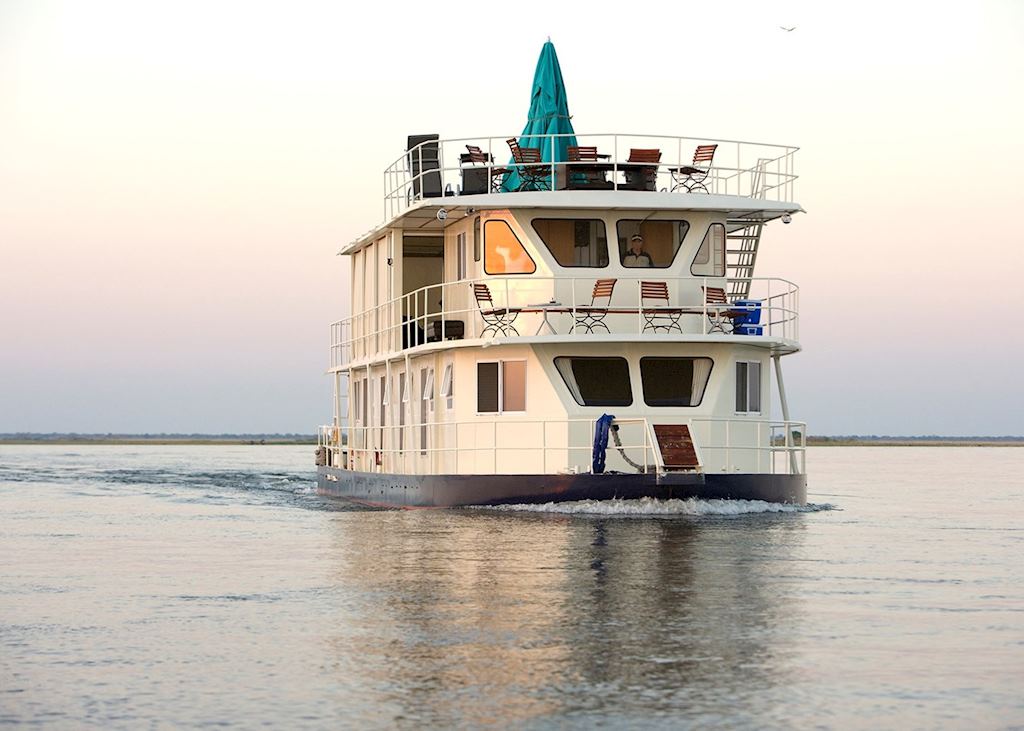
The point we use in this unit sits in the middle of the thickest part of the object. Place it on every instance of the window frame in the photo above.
(640, 222)
(448, 386)
(711, 254)
(703, 392)
(746, 390)
(461, 269)
(518, 240)
(501, 385)
(607, 251)
(629, 378)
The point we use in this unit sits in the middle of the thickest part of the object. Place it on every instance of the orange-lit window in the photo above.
(503, 252)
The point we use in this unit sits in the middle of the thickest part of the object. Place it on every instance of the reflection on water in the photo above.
(199, 586)
(512, 618)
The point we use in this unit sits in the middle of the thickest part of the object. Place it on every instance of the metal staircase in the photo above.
(743, 235)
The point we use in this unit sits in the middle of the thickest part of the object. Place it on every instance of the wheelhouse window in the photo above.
(674, 381)
(657, 246)
(501, 386)
(748, 387)
(597, 381)
(504, 252)
(710, 258)
(574, 242)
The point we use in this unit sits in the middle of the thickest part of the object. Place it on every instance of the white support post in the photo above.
(785, 412)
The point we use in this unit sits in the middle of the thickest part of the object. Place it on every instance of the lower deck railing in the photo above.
(548, 446)
(540, 306)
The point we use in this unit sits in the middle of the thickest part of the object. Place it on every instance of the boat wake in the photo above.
(653, 507)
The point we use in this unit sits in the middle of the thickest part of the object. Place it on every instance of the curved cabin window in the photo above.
(574, 242)
(503, 252)
(674, 381)
(596, 381)
(710, 259)
(660, 244)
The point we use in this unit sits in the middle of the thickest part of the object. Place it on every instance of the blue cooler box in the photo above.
(749, 322)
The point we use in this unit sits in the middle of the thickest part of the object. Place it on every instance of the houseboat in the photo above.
(567, 317)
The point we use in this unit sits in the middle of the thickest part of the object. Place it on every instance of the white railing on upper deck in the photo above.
(559, 306)
(751, 169)
(545, 446)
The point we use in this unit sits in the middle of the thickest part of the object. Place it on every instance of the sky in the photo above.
(176, 178)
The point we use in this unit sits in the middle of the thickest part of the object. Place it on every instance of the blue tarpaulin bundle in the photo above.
(601, 442)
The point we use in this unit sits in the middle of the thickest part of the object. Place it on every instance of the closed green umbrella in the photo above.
(549, 114)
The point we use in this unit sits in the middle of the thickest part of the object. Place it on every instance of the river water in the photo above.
(209, 586)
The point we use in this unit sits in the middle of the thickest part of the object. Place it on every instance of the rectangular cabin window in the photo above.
(501, 386)
(674, 381)
(460, 257)
(710, 258)
(748, 387)
(597, 381)
(448, 386)
(504, 253)
(657, 246)
(487, 388)
(574, 242)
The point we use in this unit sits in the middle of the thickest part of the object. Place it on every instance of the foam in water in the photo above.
(652, 506)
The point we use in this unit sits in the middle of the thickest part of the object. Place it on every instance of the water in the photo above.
(195, 586)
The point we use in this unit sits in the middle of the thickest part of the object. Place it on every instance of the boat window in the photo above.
(658, 245)
(674, 381)
(487, 388)
(426, 405)
(447, 386)
(503, 252)
(460, 257)
(710, 259)
(477, 236)
(403, 399)
(501, 386)
(597, 381)
(513, 383)
(748, 387)
(574, 242)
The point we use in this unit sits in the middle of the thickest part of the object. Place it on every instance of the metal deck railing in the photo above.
(554, 307)
(545, 446)
(437, 167)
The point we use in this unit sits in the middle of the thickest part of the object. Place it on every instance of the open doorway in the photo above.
(422, 266)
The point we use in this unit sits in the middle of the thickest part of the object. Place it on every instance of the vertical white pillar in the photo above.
(777, 357)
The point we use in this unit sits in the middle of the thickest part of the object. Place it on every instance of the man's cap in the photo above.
(636, 237)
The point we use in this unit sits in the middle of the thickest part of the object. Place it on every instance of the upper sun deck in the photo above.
(684, 167)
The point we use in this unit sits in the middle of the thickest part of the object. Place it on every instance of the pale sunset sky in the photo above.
(176, 178)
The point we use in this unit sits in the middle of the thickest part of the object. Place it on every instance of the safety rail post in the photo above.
(639, 309)
(553, 182)
(615, 162)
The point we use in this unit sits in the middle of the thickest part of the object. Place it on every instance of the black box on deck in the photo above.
(453, 330)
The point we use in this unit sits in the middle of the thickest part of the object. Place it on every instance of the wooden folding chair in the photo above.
(642, 168)
(496, 319)
(692, 177)
(589, 317)
(656, 308)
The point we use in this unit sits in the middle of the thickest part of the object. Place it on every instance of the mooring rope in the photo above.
(618, 446)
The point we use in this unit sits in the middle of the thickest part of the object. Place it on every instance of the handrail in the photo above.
(548, 305)
(738, 166)
(402, 448)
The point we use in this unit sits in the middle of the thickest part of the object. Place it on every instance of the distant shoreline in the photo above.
(199, 440)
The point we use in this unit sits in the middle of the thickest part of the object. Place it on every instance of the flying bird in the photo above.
(788, 30)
